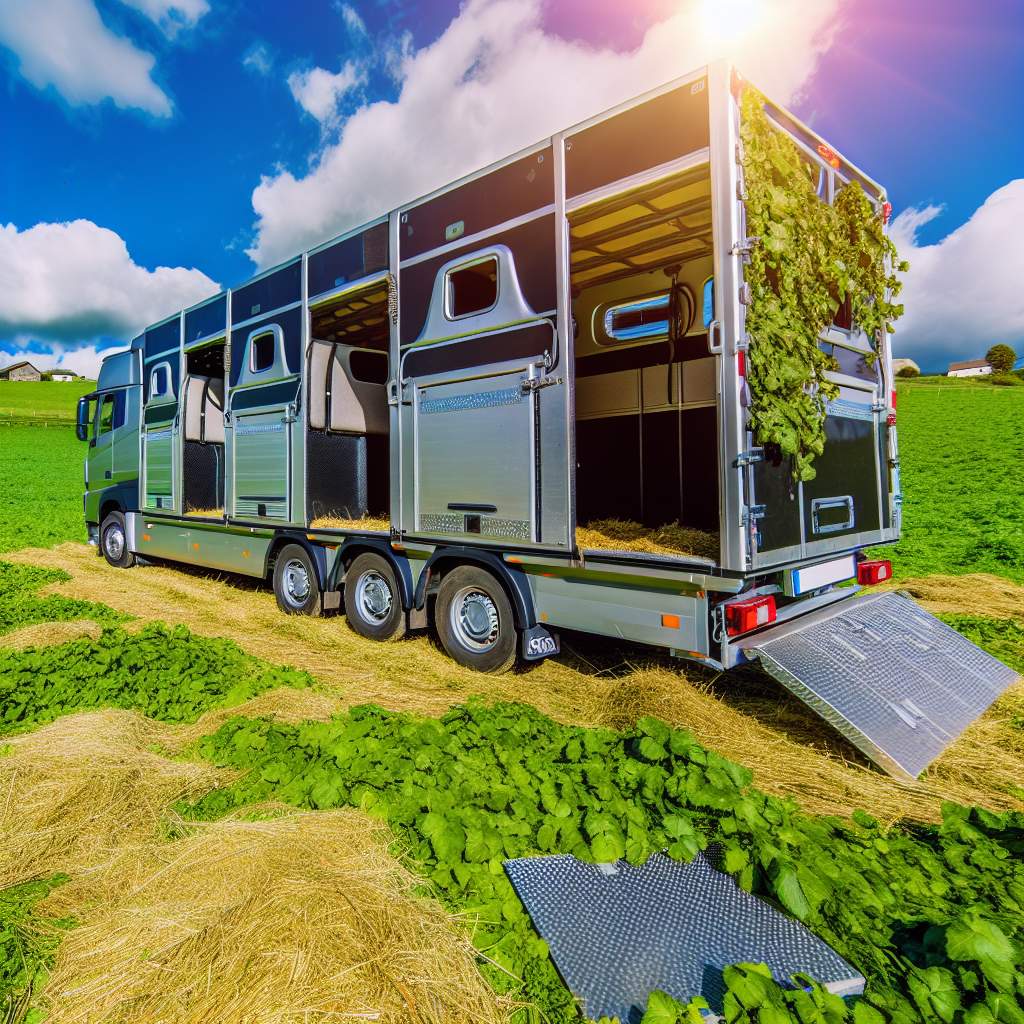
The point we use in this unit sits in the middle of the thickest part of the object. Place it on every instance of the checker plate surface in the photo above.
(615, 937)
(894, 680)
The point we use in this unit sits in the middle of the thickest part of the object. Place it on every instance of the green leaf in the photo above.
(608, 847)
(935, 992)
(661, 1009)
(974, 938)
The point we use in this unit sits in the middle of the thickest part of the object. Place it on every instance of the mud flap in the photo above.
(895, 681)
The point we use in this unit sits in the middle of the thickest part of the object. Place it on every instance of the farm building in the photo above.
(969, 368)
(64, 376)
(20, 371)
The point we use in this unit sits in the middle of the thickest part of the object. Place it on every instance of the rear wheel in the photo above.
(296, 585)
(474, 620)
(114, 541)
(373, 602)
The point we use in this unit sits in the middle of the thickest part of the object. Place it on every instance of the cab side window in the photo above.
(110, 414)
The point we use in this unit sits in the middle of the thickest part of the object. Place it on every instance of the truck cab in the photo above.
(108, 418)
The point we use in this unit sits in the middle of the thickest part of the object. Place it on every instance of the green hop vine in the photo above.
(811, 258)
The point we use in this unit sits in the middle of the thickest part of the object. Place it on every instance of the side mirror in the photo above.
(709, 301)
(82, 420)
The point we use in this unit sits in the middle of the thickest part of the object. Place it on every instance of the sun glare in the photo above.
(727, 21)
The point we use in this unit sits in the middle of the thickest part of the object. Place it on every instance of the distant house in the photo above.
(63, 375)
(970, 368)
(20, 371)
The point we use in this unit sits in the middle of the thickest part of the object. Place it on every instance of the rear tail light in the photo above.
(741, 363)
(886, 212)
(877, 571)
(743, 616)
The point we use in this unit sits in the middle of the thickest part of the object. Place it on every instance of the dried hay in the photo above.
(624, 535)
(305, 917)
(205, 513)
(377, 523)
(749, 718)
(77, 792)
(41, 633)
(301, 917)
(973, 594)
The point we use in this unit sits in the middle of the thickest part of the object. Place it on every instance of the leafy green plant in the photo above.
(21, 605)
(168, 674)
(26, 949)
(811, 257)
(487, 783)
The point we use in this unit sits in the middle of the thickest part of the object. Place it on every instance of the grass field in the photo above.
(190, 831)
(45, 400)
(962, 458)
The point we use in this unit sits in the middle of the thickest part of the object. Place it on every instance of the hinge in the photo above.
(537, 383)
(749, 457)
(879, 407)
(745, 246)
(751, 513)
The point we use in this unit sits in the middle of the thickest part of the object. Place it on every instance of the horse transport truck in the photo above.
(416, 422)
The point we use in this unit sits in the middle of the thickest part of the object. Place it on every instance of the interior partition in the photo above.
(646, 412)
(203, 465)
(347, 457)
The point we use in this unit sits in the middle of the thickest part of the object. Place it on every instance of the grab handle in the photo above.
(715, 329)
(838, 514)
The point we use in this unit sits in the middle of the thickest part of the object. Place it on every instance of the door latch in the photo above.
(532, 384)
(751, 513)
(749, 457)
(745, 246)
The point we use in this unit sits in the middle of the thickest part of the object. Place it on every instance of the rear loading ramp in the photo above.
(895, 681)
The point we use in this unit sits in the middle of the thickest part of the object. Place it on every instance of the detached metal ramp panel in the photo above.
(895, 681)
(618, 932)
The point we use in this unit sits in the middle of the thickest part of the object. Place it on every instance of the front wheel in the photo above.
(474, 620)
(114, 541)
(296, 585)
(373, 602)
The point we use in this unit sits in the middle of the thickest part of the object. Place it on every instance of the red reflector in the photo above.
(886, 212)
(892, 399)
(877, 571)
(741, 363)
(743, 616)
(828, 155)
(890, 420)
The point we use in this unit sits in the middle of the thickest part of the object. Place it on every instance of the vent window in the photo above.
(472, 289)
(159, 382)
(261, 357)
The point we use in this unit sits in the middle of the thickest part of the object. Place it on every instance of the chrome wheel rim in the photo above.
(113, 542)
(296, 583)
(373, 597)
(474, 619)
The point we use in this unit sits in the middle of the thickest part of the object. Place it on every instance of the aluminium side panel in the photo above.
(728, 331)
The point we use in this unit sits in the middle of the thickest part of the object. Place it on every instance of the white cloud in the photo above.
(319, 91)
(64, 44)
(353, 20)
(258, 58)
(74, 283)
(962, 294)
(494, 82)
(171, 16)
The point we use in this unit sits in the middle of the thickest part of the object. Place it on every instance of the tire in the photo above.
(474, 620)
(296, 584)
(114, 541)
(373, 600)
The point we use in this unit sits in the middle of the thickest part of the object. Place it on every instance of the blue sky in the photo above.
(157, 153)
